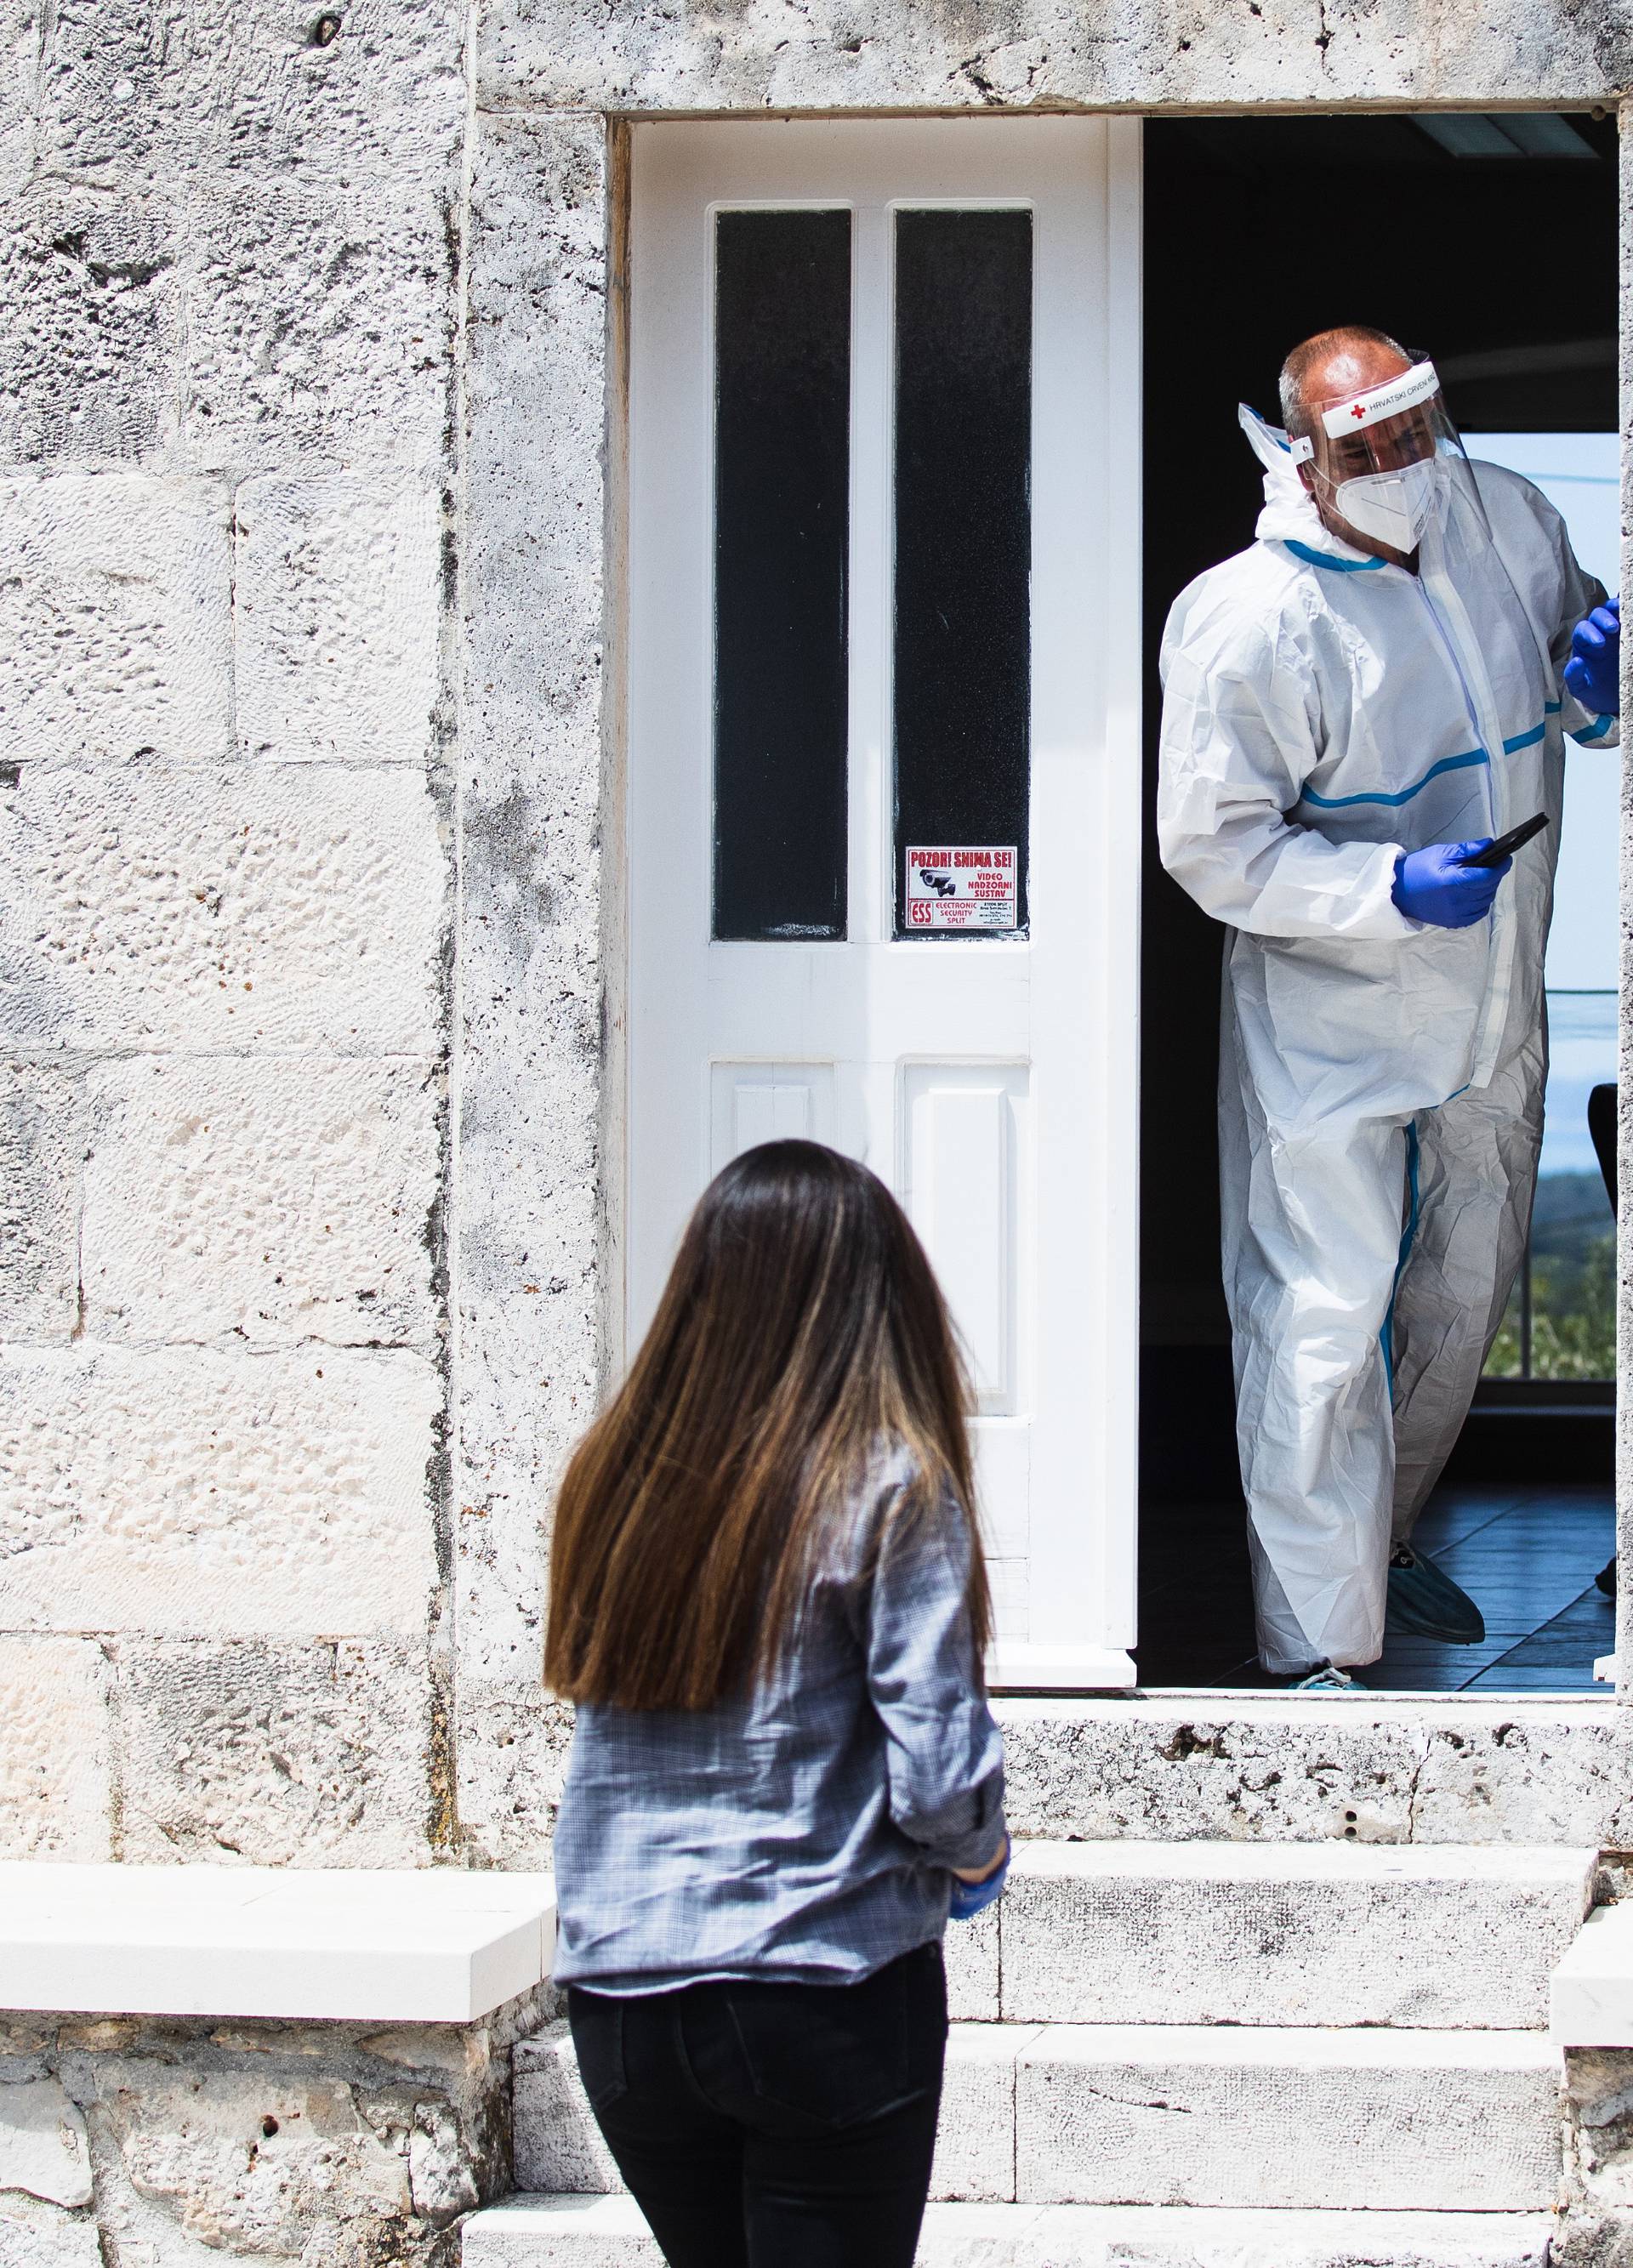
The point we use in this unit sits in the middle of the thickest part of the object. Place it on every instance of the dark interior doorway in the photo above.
(1491, 245)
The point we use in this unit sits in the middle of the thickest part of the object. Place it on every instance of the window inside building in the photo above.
(1561, 1325)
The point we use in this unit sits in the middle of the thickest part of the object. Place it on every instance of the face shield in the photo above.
(1387, 461)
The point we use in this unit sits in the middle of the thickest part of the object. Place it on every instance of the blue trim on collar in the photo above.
(1329, 559)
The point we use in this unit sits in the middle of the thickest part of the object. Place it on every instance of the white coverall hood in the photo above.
(1289, 508)
(1380, 1081)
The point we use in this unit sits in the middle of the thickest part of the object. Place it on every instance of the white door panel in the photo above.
(969, 1160)
(756, 1102)
(989, 1078)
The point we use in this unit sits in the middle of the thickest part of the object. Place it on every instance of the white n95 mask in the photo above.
(1392, 508)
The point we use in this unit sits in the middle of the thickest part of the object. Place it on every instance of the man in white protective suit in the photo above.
(1354, 707)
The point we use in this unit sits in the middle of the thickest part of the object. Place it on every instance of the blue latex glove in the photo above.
(1435, 886)
(971, 1898)
(1593, 673)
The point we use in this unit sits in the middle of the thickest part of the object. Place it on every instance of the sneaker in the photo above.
(1426, 1602)
(1328, 1679)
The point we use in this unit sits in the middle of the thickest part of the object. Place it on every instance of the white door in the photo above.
(884, 756)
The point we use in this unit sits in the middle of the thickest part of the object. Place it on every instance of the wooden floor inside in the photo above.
(1526, 1554)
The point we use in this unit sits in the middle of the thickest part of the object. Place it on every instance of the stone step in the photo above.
(607, 2232)
(1126, 1932)
(1178, 2114)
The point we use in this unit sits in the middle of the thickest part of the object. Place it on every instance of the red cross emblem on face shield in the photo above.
(1359, 411)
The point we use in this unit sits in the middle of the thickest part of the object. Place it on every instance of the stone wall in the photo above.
(229, 292)
(310, 1019)
(1597, 2227)
(164, 2143)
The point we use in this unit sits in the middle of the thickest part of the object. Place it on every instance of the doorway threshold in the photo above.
(1218, 1764)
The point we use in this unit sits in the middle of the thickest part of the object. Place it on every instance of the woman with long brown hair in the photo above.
(768, 1600)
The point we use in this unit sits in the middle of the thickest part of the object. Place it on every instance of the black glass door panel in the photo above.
(782, 347)
(963, 567)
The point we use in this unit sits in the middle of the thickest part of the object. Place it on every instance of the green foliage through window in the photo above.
(1573, 1288)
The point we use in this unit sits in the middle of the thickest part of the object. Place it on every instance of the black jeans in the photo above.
(771, 2125)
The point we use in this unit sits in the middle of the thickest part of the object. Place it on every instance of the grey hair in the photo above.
(1303, 358)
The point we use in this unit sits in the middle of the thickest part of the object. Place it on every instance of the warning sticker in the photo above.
(971, 887)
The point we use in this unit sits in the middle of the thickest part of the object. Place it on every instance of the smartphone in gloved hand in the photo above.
(1505, 845)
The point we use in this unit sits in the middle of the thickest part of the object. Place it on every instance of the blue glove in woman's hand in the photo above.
(971, 1898)
(1593, 673)
(1434, 884)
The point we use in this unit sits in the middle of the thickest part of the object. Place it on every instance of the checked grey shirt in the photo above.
(803, 1831)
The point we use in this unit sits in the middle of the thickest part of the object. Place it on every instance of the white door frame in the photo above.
(1082, 957)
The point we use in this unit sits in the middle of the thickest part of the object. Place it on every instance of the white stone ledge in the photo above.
(438, 1946)
(1590, 1998)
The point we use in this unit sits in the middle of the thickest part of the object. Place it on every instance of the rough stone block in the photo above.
(1512, 1774)
(207, 907)
(970, 1951)
(42, 2143)
(40, 1141)
(1598, 2132)
(130, 91)
(320, 327)
(975, 2140)
(1509, 1771)
(88, 329)
(268, 1202)
(531, 1301)
(389, 91)
(558, 2143)
(19, 74)
(533, 1218)
(277, 1756)
(1583, 2238)
(115, 616)
(103, 72)
(33, 2235)
(55, 1765)
(511, 1745)
(337, 2145)
(838, 54)
(1157, 1772)
(336, 599)
(247, 2165)
(1155, 2114)
(185, 1491)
